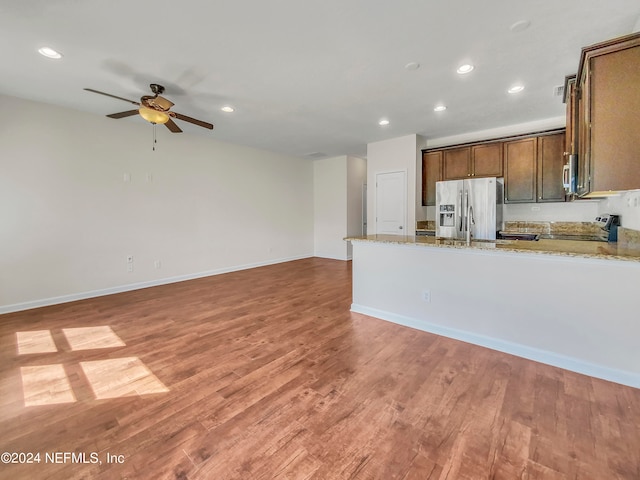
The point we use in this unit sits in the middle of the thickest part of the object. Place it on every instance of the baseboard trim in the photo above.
(330, 257)
(45, 302)
(622, 377)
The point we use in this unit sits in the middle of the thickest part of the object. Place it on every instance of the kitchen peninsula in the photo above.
(572, 304)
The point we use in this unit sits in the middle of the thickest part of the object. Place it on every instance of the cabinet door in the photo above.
(486, 160)
(550, 164)
(456, 163)
(431, 173)
(520, 170)
(571, 146)
(615, 131)
(582, 130)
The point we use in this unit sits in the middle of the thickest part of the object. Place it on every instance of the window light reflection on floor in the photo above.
(121, 377)
(109, 378)
(46, 385)
(89, 338)
(36, 341)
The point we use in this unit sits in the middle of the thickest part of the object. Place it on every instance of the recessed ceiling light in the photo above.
(516, 89)
(383, 122)
(520, 25)
(49, 52)
(466, 68)
(412, 66)
(440, 108)
(227, 109)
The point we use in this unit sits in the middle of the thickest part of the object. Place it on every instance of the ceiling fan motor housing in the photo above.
(157, 89)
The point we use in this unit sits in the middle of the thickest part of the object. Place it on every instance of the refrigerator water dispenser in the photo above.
(447, 215)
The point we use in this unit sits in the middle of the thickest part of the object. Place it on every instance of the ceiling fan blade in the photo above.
(171, 125)
(200, 123)
(112, 96)
(128, 113)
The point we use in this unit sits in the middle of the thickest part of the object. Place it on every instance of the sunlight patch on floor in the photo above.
(37, 341)
(46, 385)
(89, 338)
(121, 377)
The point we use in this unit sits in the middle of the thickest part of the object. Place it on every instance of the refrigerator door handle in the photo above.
(465, 224)
(460, 210)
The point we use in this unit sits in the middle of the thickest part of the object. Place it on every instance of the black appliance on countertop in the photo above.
(609, 223)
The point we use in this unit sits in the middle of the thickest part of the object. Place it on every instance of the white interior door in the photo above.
(391, 203)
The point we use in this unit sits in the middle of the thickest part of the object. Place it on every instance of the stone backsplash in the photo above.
(554, 228)
(426, 225)
(628, 238)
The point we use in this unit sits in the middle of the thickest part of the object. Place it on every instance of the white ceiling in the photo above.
(308, 76)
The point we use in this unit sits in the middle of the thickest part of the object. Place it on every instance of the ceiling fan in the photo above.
(154, 109)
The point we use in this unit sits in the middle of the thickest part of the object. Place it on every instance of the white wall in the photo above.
(68, 220)
(578, 314)
(356, 180)
(576, 211)
(421, 212)
(329, 207)
(627, 205)
(517, 129)
(396, 154)
(337, 199)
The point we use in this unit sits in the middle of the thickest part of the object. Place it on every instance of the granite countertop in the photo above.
(568, 248)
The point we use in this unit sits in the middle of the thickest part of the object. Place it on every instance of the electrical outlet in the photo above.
(129, 267)
(129, 258)
(157, 264)
(426, 296)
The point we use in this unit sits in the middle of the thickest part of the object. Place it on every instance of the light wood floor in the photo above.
(265, 374)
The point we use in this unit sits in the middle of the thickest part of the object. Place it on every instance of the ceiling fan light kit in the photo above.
(153, 116)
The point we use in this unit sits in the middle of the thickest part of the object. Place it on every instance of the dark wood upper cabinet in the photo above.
(533, 169)
(486, 160)
(551, 159)
(570, 98)
(581, 127)
(431, 173)
(456, 163)
(483, 160)
(530, 164)
(520, 158)
(609, 118)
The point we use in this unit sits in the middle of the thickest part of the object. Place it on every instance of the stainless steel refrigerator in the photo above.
(469, 209)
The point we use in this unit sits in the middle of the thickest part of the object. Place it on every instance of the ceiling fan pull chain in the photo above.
(154, 137)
